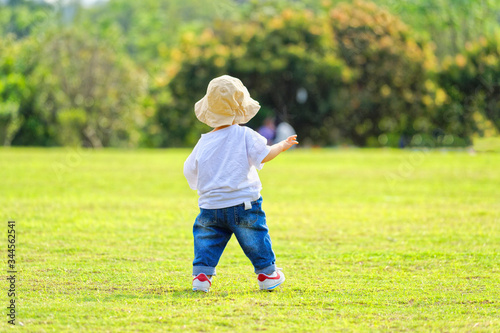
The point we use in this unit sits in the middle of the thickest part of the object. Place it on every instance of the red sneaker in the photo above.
(269, 282)
(201, 282)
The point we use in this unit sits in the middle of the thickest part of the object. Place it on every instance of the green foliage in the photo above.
(472, 81)
(14, 89)
(393, 91)
(342, 73)
(148, 28)
(275, 57)
(71, 126)
(23, 18)
(364, 74)
(83, 86)
(449, 24)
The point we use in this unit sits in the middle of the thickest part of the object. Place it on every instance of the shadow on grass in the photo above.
(174, 293)
(189, 294)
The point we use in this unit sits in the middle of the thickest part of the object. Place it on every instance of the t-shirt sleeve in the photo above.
(191, 170)
(257, 148)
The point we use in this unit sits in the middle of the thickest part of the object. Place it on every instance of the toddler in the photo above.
(223, 169)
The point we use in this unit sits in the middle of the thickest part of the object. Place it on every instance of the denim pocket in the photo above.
(249, 217)
(207, 217)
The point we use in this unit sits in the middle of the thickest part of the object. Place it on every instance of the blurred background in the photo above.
(123, 73)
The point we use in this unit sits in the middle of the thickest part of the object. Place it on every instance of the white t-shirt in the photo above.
(223, 167)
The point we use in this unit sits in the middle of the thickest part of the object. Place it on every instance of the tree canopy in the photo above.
(125, 73)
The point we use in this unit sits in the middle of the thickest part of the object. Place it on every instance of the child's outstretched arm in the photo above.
(280, 147)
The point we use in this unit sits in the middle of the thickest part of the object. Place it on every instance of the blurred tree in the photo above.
(472, 80)
(344, 80)
(13, 90)
(393, 91)
(450, 24)
(287, 62)
(149, 28)
(22, 17)
(86, 93)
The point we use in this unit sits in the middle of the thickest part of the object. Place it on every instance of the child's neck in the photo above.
(220, 127)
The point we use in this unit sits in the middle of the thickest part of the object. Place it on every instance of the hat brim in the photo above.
(247, 110)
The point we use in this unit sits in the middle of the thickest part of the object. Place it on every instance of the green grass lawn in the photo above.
(369, 240)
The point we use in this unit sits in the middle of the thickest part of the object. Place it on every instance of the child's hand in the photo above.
(290, 141)
(280, 147)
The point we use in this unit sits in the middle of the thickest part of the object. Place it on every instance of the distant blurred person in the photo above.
(283, 130)
(268, 130)
(404, 140)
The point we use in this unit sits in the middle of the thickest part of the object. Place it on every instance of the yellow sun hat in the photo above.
(226, 102)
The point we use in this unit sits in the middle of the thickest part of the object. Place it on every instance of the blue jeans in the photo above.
(213, 229)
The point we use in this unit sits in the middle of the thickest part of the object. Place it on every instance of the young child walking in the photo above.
(223, 169)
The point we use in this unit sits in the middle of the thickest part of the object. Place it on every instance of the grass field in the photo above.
(369, 240)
